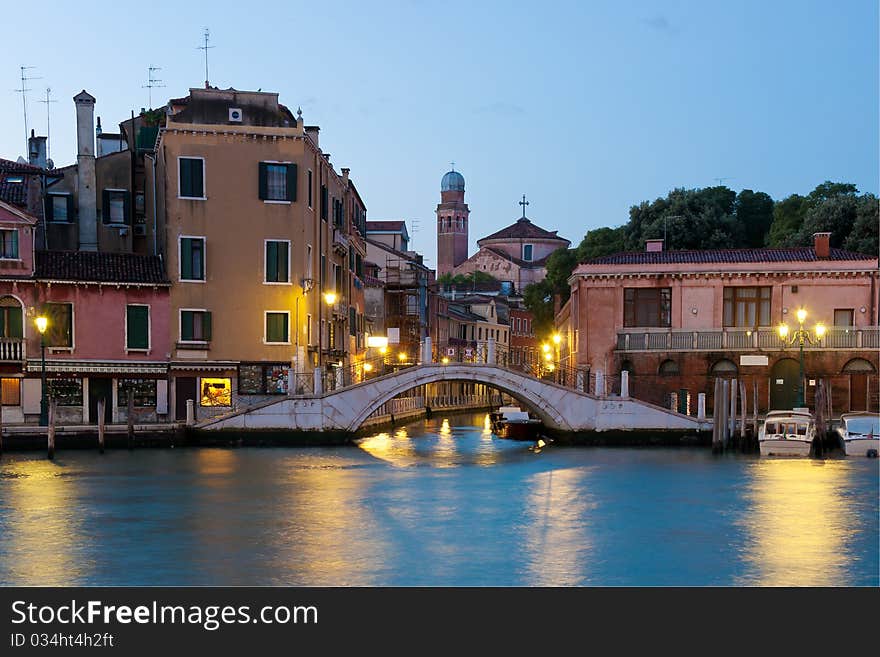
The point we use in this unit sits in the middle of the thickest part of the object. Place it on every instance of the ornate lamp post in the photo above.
(801, 336)
(42, 324)
(329, 299)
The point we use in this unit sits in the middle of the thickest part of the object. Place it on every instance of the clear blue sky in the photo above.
(586, 107)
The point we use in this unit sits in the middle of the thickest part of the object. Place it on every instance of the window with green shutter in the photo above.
(137, 322)
(195, 326)
(192, 258)
(277, 258)
(277, 182)
(277, 327)
(192, 177)
(10, 318)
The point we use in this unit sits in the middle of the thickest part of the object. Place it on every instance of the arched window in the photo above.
(859, 365)
(10, 318)
(724, 368)
(668, 368)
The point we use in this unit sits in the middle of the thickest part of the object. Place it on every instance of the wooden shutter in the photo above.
(71, 208)
(283, 255)
(126, 208)
(50, 208)
(137, 323)
(324, 202)
(198, 177)
(105, 206)
(206, 326)
(13, 322)
(186, 271)
(14, 245)
(291, 182)
(186, 324)
(272, 262)
(186, 182)
(264, 181)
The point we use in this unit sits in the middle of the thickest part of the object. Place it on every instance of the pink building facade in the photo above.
(676, 320)
(108, 334)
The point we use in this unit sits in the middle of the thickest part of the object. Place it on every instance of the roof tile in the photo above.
(99, 267)
(711, 256)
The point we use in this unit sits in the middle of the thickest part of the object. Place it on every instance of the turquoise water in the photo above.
(440, 502)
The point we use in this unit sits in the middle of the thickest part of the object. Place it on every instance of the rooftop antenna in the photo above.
(23, 91)
(720, 181)
(206, 48)
(414, 223)
(524, 203)
(48, 113)
(152, 82)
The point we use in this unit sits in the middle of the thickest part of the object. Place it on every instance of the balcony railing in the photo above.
(11, 349)
(836, 337)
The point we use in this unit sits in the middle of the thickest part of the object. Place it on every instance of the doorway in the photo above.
(100, 389)
(858, 370)
(784, 384)
(184, 388)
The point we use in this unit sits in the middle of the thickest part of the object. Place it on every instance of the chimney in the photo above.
(312, 131)
(345, 172)
(822, 245)
(86, 184)
(37, 151)
(653, 246)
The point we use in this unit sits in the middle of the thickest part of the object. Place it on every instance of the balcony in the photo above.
(740, 339)
(340, 242)
(12, 350)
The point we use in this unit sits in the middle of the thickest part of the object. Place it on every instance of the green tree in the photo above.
(475, 276)
(788, 217)
(601, 242)
(754, 214)
(790, 214)
(538, 299)
(864, 235)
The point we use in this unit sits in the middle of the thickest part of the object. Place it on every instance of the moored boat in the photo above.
(860, 433)
(514, 423)
(787, 433)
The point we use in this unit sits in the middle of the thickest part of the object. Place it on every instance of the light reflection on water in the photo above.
(441, 502)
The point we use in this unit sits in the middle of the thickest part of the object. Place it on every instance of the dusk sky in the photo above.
(585, 107)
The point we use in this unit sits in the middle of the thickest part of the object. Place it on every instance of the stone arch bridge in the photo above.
(559, 407)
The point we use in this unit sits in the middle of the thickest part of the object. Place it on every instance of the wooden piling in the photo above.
(130, 420)
(717, 403)
(50, 430)
(731, 418)
(1, 429)
(754, 409)
(820, 425)
(743, 404)
(101, 406)
(725, 408)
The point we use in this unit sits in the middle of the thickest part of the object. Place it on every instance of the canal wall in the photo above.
(415, 408)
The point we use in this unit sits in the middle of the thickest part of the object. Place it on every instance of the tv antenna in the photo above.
(414, 223)
(206, 48)
(48, 122)
(720, 181)
(152, 83)
(23, 91)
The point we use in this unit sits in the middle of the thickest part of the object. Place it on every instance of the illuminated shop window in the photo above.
(216, 392)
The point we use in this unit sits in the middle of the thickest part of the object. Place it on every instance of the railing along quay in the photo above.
(836, 337)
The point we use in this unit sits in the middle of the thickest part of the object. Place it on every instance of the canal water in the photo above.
(439, 502)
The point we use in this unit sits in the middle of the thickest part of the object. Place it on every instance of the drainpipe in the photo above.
(155, 228)
(874, 318)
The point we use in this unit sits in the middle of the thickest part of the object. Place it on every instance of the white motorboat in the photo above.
(787, 433)
(860, 433)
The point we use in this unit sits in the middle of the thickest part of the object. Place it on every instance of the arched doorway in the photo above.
(858, 370)
(784, 384)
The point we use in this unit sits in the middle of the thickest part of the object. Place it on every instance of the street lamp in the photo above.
(800, 336)
(329, 299)
(42, 323)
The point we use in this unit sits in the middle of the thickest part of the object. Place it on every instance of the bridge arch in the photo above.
(530, 392)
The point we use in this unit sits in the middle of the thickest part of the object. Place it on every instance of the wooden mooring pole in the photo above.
(743, 407)
(731, 420)
(130, 420)
(50, 430)
(102, 403)
(1, 429)
(717, 403)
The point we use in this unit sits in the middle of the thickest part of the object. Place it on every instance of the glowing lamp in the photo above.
(548, 357)
(330, 298)
(368, 367)
(820, 331)
(546, 348)
(42, 324)
(401, 356)
(557, 338)
(445, 360)
(782, 329)
(801, 315)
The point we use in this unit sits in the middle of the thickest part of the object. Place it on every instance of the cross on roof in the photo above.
(453, 166)
(524, 203)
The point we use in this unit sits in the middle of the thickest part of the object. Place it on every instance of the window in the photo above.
(648, 307)
(668, 368)
(277, 327)
(324, 202)
(724, 368)
(143, 392)
(277, 261)
(9, 244)
(844, 317)
(747, 306)
(192, 258)
(65, 392)
(277, 181)
(11, 392)
(60, 208)
(263, 379)
(337, 279)
(10, 318)
(115, 206)
(216, 392)
(310, 188)
(137, 327)
(195, 326)
(59, 332)
(527, 252)
(191, 177)
(308, 261)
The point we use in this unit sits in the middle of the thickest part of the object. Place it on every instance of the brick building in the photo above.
(676, 320)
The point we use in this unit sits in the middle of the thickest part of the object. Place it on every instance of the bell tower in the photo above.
(452, 223)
